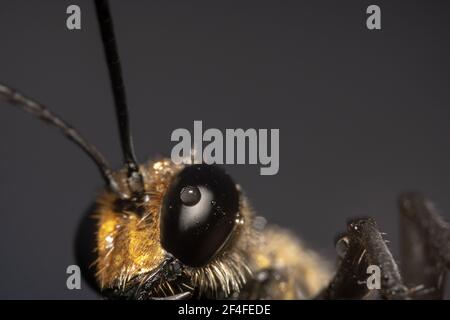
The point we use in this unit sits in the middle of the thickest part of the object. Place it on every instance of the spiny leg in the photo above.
(346, 284)
(425, 246)
(365, 246)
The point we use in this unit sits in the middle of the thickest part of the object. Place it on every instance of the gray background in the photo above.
(363, 115)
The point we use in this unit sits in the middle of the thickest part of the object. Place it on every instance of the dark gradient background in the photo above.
(363, 115)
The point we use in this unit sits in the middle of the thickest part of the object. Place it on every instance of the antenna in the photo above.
(135, 180)
(17, 99)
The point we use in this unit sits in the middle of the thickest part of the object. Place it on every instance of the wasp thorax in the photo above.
(198, 213)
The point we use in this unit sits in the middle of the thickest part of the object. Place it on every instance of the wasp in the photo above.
(169, 231)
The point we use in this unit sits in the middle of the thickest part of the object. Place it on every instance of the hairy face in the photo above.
(185, 236)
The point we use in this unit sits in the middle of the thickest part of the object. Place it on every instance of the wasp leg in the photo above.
(425, 246)
(365, 247)
(346, 284)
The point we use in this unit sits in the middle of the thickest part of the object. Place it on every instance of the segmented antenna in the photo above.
(135, 180)
(17, 99)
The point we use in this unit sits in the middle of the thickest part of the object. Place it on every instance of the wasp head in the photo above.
(185, 236)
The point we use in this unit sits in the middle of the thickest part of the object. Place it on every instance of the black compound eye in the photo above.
(198, 214)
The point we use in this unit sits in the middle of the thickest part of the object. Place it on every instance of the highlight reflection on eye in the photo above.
(190, 195)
